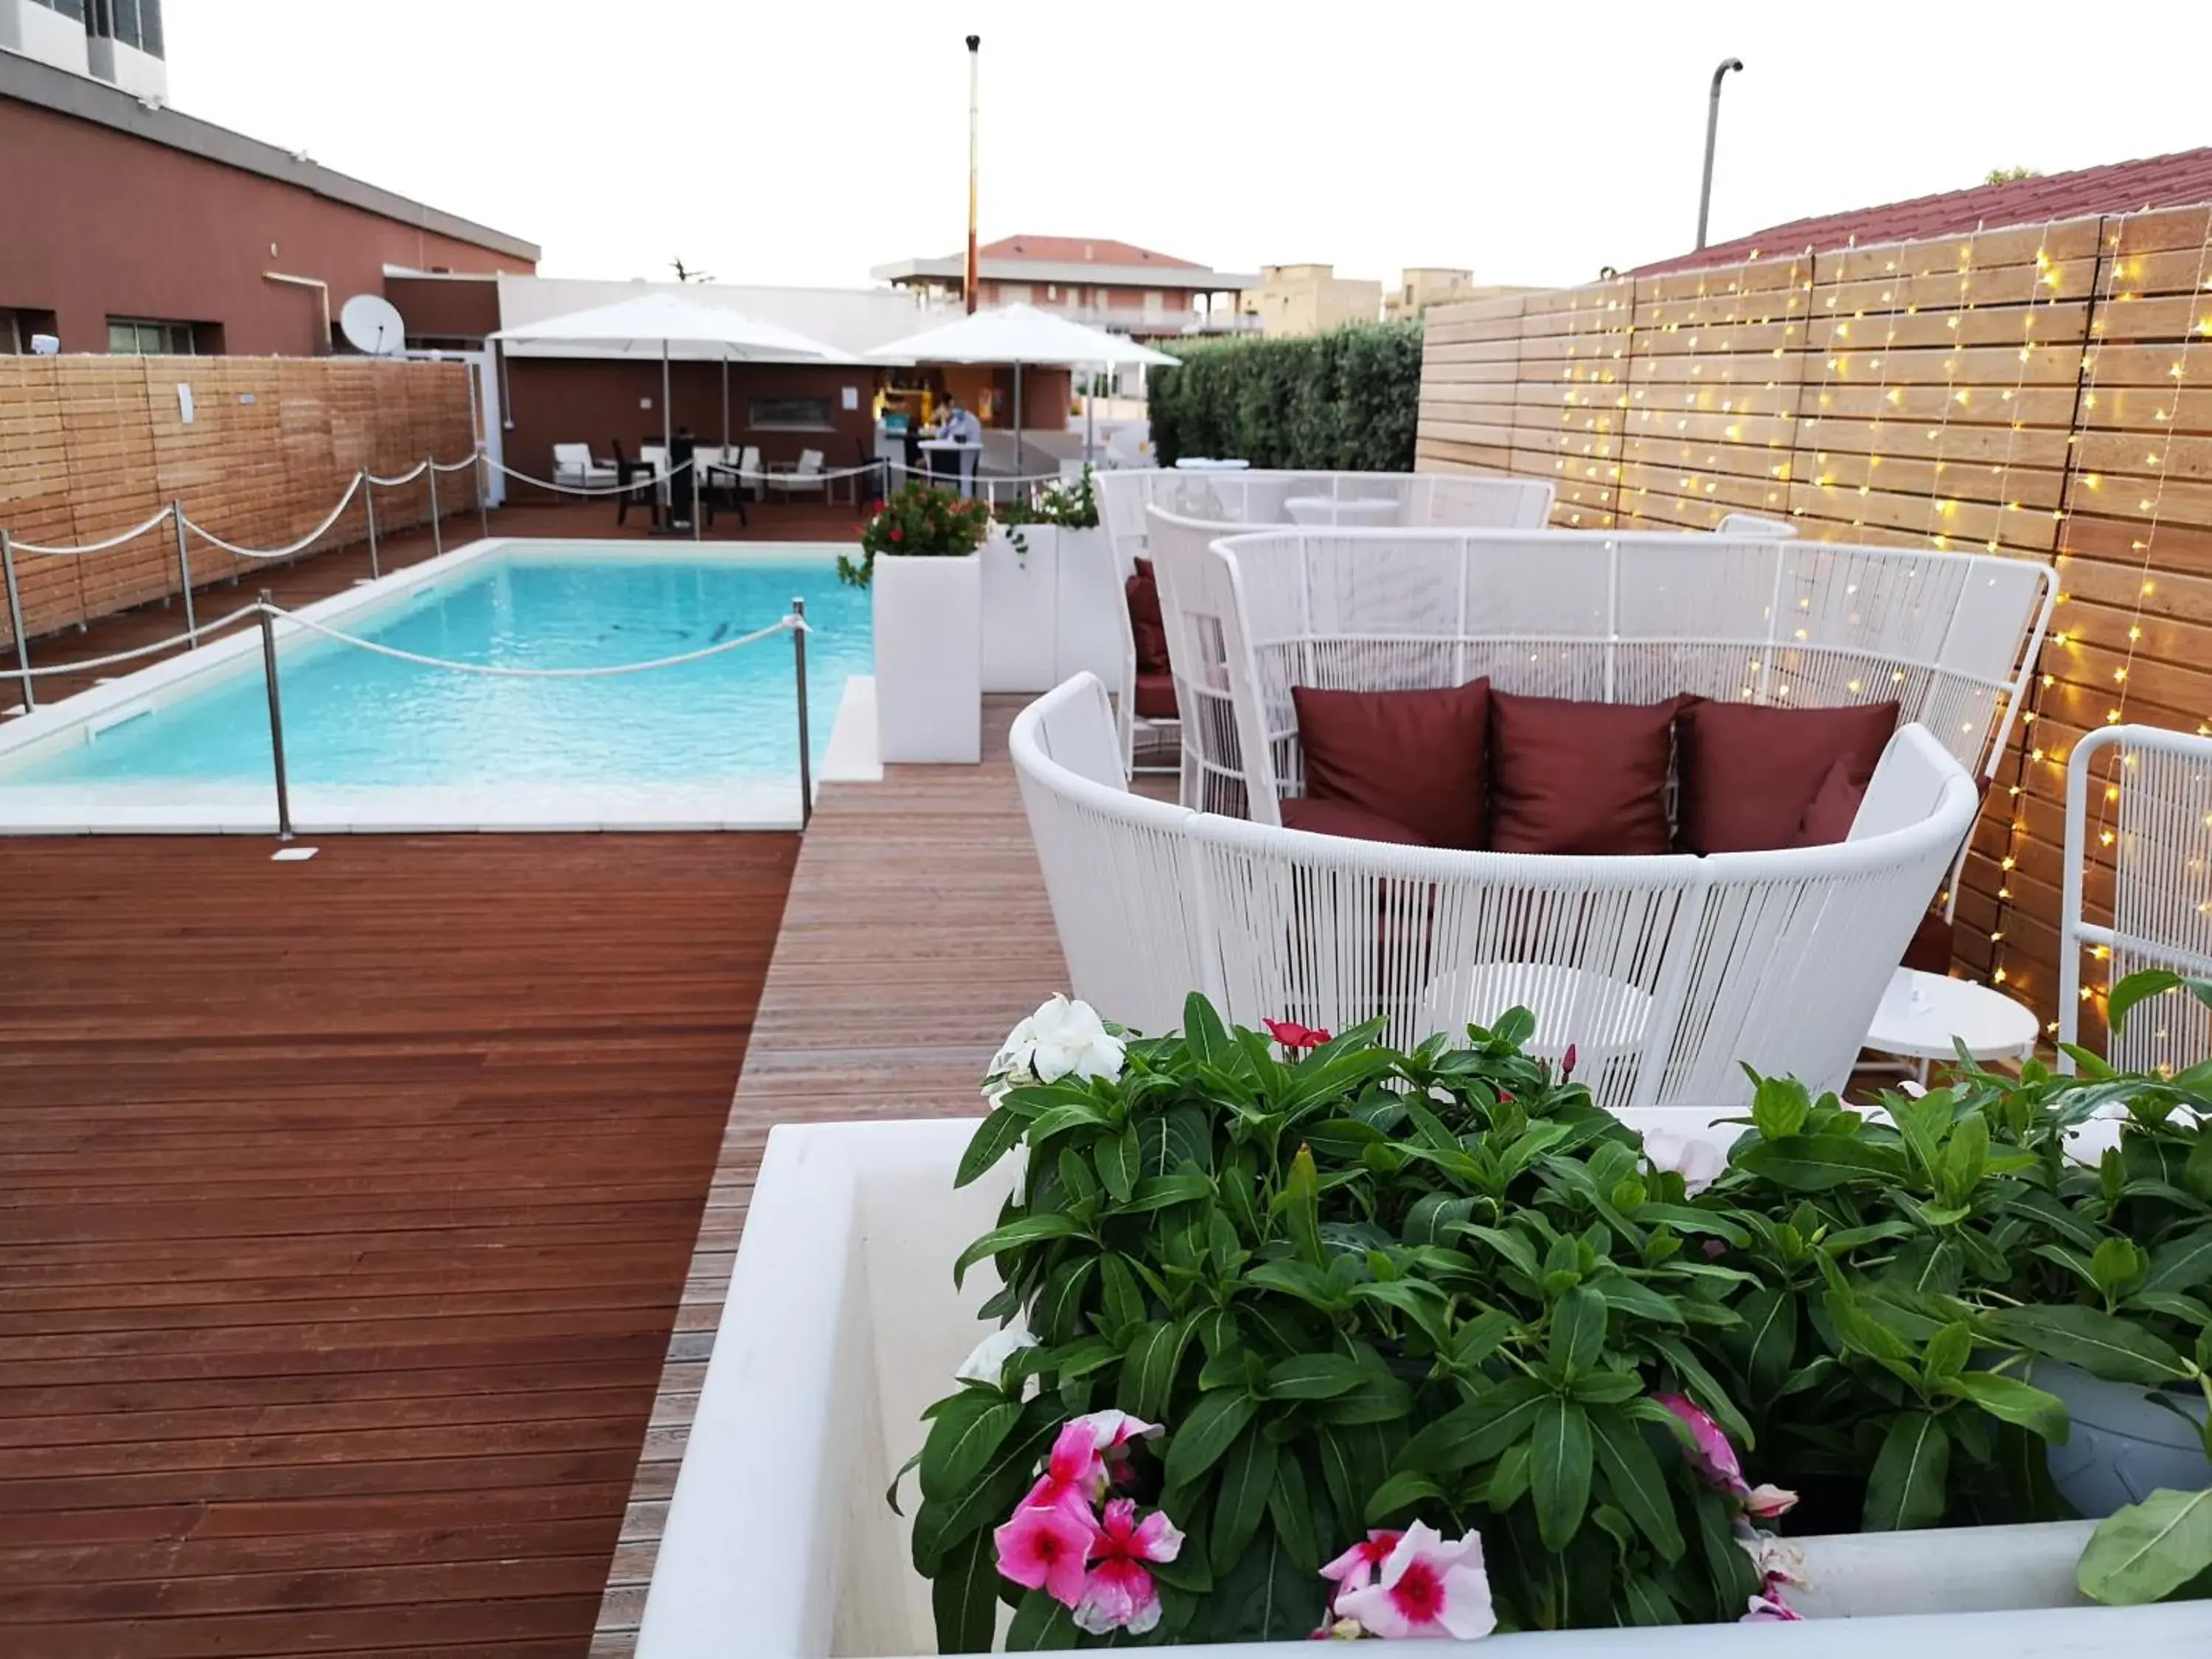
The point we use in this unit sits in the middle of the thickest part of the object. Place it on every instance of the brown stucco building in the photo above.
(132, 228)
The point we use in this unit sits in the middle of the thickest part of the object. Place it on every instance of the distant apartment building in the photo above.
(1310, 298)
(1111, 285)
(1420, 287)
(117, 41)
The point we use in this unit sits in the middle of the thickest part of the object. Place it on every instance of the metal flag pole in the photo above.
(15, 623)
(970, 271)
(805, 741)
(276, 716)
(185, 572)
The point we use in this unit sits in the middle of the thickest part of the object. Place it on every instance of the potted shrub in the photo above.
(918, 555)
(1293, 1316)
(1049, 588)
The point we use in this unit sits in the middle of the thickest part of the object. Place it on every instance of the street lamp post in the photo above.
(1712, 129)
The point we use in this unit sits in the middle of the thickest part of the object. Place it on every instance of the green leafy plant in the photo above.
(920, 522)
(1071, 504)
(1358, 1287)
(1348, 399)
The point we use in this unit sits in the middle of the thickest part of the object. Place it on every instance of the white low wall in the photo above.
(842, 1323)
(1050, 612)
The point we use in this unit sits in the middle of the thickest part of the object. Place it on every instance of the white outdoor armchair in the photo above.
(574, 468)
(1663, 972)
(2154, 818)
(1597, 616)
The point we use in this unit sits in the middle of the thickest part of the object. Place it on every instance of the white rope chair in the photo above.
(1598, 616)
(2158, 825)
(1754, 524)
(1662, 972)
(1216, 500)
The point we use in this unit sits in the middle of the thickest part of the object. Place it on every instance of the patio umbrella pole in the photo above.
(726, 399)
(1018, 425)
(667, 438)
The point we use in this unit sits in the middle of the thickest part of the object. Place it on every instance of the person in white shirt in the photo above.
(959, 425)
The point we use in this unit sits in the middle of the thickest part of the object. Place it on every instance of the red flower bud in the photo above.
(1567, 1063)
(1292, 1035)
(898, 535)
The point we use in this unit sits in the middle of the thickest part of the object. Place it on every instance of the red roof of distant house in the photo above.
(2182, 180)
(1078, 251)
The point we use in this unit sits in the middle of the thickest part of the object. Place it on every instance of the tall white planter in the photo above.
(929, 656)
(1092, 607)
(1021, 594)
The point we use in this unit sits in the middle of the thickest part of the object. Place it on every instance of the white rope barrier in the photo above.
(461, 465)
(785, 624)
(419, 469)
(113, 542)
(301, 545)
(191, 639)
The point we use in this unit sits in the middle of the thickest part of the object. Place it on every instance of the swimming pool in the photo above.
(374, 742)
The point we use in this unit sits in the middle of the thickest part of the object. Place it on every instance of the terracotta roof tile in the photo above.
(2181, 179)
(1078, 251)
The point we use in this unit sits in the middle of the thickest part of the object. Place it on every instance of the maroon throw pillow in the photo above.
(1748, 772)
(1579, 777)
(1146, 620)
(1413, 757)
(1156, 696)
(1340, 818)
(1828, 819)
(1931, 947)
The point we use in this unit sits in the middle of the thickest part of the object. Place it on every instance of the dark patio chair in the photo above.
(637, 483)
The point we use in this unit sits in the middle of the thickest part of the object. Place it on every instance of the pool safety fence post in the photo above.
(369, 507)
(185, 572)
(437, 538)
(806, 743)
(15, 623)
(479, 472)
(275, 715)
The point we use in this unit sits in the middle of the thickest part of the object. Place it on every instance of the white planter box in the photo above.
(1021, 594)
(842, 1323)
(1052, 613)
(929, 653)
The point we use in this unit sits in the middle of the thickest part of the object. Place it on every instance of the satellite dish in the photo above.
(372, 325)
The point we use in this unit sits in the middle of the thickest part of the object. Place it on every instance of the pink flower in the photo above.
(1567, 1063)
(1045, 1548)
(1715, 1250)
(1771, 1610)
(1712, 1455)
(1090, 1452)
(1292, 1035)
(1427, 1587)
(1767, 1502)
(1120, 1594)
(1356, 1568)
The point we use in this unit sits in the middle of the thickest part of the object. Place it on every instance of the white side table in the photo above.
(1923, 1017)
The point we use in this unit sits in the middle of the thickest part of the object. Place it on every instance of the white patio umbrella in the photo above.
(1020, 335)
(673, 324)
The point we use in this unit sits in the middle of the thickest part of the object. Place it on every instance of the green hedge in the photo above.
(1345, 401)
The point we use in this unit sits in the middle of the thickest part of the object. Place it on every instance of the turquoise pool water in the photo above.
(352, 718)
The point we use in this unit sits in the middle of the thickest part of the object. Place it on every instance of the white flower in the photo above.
(1698, 1161)
(987, 1364)
(1061, 1039)
(1776, 1560)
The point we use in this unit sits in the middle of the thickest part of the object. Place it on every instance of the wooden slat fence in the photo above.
(90, 447)
(2044, 391)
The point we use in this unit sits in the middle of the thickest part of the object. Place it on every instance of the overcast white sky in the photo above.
(804, 141)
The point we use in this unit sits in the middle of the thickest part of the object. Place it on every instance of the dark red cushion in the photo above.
(1147, 622)
(1828, 819)
(1413, 757)
(1156, 697)
(1748, 772)
(1341, 817)
(1579, 777)
(1930, 949)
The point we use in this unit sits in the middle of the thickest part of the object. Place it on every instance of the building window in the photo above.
(134, 337)
(1015, 294)
(791, 415)
(1052, 293)
(72, 9)
(20, 325)
(1156, 303)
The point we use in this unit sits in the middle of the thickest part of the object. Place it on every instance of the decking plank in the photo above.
(346, 1211)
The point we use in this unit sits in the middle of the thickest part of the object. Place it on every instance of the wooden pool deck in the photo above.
(345, 1207)
(915, 934)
